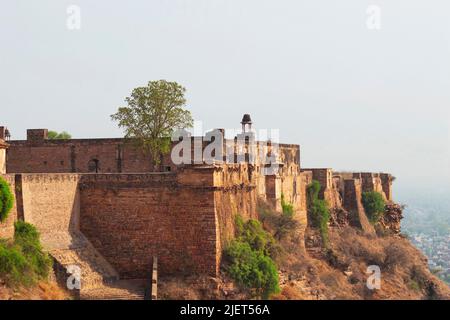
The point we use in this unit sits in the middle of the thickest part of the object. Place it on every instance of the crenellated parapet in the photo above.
(370, 181)
(343, 192)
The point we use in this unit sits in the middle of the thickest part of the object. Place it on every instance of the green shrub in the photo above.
(253, 233)
(23, 261)
(239, 225)
(318, 211)
(6, 199)
(14, 267)
(281, 225)
(249, 258)
(313, 191)
(252, 268)
(414, 285)
(321, 217)
(287, 208)
(27, 237)
(373, 204)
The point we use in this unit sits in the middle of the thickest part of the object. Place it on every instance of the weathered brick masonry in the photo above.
(131, 218)
(51, 203)
(184, 218)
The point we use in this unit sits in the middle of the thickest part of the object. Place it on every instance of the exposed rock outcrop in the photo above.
(393, 213)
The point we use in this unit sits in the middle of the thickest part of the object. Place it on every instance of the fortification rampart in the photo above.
(352, 203)
(370, 181)
(329, 190)
(51, 203)
(104, 190)
(131, 218)
(184, 218)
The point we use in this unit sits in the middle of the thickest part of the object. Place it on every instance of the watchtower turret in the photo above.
(246, 123)
(4, 135)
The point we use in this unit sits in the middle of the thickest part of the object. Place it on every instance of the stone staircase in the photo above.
(73, 249)
(118, 290)
(99, 280)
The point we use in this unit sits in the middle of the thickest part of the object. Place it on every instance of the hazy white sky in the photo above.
(353, 98)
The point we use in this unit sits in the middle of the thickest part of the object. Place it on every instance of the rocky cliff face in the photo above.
(392, 217)
(341, 270)
(344, 269)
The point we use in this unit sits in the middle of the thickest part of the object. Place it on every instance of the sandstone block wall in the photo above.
(131, 218)
(329, 190)
(51, 203)
(386, 184)
(234, 194)
(352, 203)
(128, 218)
(37, 154)
(37, 135)
(323, 175)
(371, 182)
(273, 191)
(78, 156)
(184, 218)
(379, 182)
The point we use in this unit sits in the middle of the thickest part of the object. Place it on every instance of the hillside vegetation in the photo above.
(321, 262)
(24, 266)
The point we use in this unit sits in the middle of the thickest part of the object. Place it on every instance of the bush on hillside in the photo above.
(318, 211)
(23, 262)
(14, 268)
(287, 208)
(281, 225)
(252, 268)
(27, 237)
(312, 191)
(249, 258)
(6, 199)
(373, 204)
(252, 232)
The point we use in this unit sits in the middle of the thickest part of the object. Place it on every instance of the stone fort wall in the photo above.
(38, 154)
(51, 202)
(183, 218)
(131, 218)
(78, 156)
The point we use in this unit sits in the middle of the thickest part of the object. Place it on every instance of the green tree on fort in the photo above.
(152, 114)
(61, 135)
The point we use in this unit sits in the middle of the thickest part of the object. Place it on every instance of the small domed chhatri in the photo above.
(246, 121)
(4, 135)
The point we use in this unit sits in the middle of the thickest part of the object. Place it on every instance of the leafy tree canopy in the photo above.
(152, 113)
(61, 135)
